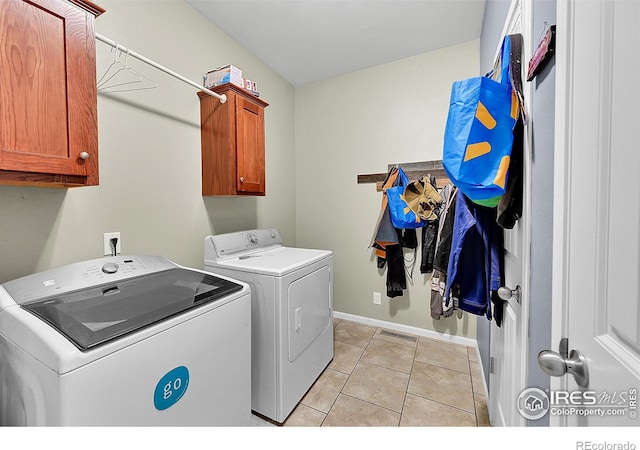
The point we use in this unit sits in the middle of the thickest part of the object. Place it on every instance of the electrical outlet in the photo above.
(108, 250)
(377, 298)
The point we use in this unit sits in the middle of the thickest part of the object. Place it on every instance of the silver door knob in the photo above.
(556, 365)
(507, 294)
(84, 155)
(241, 179)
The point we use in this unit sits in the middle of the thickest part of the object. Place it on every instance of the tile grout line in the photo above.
(373, 404)
(413, 362)
(406, 391)
(378, 329)
(446, 404)
(376, 336)
(473, 392)
(348, 378)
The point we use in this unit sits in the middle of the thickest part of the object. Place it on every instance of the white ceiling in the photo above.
(310, 40)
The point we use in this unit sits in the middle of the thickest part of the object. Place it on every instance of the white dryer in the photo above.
(291, 313)
(125, 340)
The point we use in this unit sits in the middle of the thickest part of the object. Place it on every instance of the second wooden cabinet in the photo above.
(233, 157)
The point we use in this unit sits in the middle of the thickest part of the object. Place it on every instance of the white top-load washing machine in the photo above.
(125, 340)
(291, 313)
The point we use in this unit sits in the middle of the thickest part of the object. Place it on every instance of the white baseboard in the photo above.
(409, 329)
(485, 383)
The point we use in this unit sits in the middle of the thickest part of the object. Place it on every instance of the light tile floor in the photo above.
(380, 378)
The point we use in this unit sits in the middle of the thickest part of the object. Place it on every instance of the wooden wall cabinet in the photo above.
(233, 161)
(48, 96)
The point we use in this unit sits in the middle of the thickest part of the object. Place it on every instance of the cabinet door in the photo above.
(47, 89)
(250, 147)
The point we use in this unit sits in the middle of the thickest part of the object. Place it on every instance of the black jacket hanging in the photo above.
(429, 237)
(510, 206)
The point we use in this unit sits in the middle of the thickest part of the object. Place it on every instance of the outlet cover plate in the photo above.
(107, 243)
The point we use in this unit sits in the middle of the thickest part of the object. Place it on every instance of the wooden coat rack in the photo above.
(414, 171)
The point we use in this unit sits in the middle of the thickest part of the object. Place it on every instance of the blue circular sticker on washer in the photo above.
(171, 388)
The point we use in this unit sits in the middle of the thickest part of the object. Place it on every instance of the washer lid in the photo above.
(276, 261)
(93, 316)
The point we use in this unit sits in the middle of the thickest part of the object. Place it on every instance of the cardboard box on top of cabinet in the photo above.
(226, 74)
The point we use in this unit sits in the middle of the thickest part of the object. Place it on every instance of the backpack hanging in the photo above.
(479, 132)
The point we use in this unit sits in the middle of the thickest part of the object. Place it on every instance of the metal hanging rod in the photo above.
(144, 59)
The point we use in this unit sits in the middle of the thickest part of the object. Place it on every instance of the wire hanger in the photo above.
(144, 59)
(115, 67)
(135, 82)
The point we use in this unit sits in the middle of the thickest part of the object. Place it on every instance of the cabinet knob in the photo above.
(241, 179)
(84, 155)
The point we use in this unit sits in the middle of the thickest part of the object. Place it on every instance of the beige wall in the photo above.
(319, 137)
(149, 144)
(357, 124)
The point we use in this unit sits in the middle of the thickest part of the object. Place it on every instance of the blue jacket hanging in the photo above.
(476, 260)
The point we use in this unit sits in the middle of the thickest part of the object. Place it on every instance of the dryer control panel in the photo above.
(220, 246)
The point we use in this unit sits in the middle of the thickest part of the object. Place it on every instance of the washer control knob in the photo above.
(110, 267)
(253, 238)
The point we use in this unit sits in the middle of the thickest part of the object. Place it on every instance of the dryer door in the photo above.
(309, 310)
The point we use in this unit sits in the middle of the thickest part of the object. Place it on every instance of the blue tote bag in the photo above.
(402, 216)
(479, 132)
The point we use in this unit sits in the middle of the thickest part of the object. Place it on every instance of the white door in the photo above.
(508, 343)
(596, 264)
